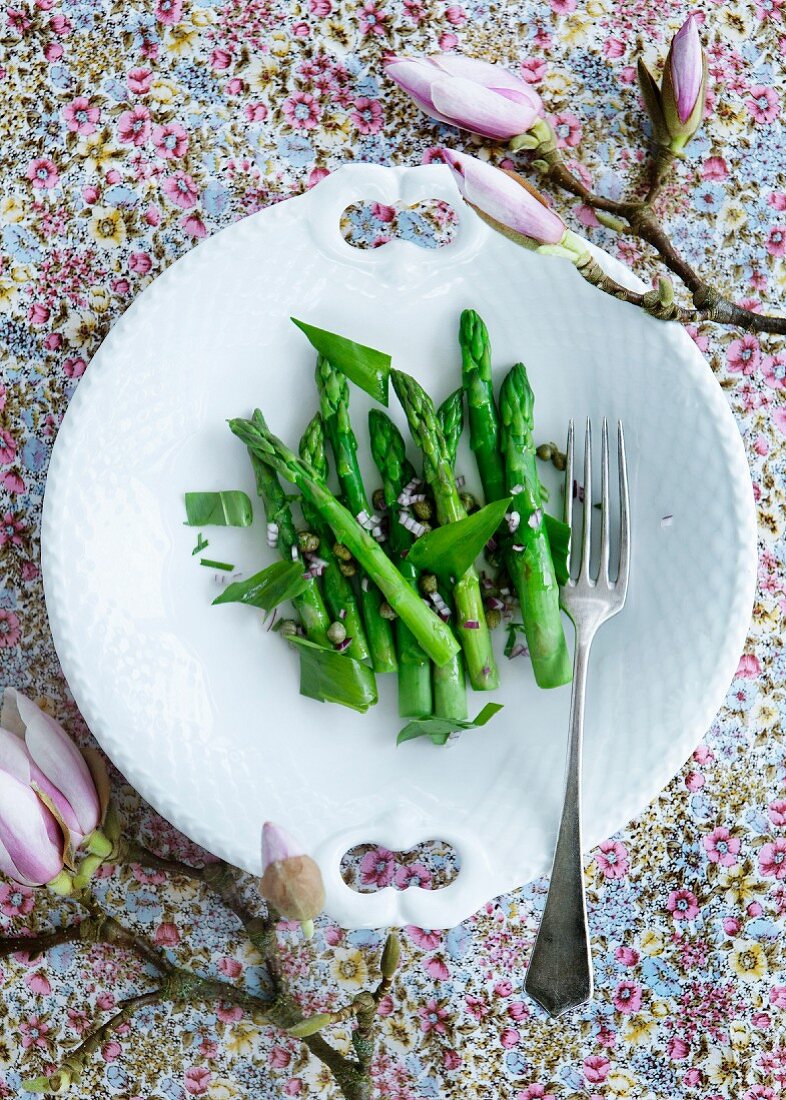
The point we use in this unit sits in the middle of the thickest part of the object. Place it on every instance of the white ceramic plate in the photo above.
(199, 707)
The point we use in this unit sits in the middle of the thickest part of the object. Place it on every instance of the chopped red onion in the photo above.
(494, 603)
(535, 519)
(272, 535)
(460, 481)
(343, 645)
(514, 519)
(518, 650)
(471, 624)
(294, 553)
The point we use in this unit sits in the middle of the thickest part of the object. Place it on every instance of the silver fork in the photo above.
(560, 971)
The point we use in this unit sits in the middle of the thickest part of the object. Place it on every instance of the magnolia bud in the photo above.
(311, 1025)
(291, 880)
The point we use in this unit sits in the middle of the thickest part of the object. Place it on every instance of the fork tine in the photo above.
(569, 476)
(586, 526)
(624, 570)
(603, 573)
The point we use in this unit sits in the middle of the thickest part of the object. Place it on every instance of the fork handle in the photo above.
(560, 971)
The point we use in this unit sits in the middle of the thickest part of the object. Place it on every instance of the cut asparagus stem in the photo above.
(528, 557)
(389, 453)
(435, 636)
(334, 406)
(339, 594)
(450, 692)
(484, 433)
(437, 469)
(309, 604)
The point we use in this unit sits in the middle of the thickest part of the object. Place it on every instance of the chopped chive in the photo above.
(201, 544)
(216, 565)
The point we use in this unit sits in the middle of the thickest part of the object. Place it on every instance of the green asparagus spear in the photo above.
(334, 406)
(529, 557)
(414, 668)
(483, 417)
(339, 594)
(309, 604)
(438, 471)
(435, 637)
(451, 420)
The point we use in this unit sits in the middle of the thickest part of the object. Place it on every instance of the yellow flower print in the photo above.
(203, 17)
(221, 1089)
(721, 1067)
(100, 299)
(748, 960)
(9, 292)
(739, 1035)
(99, 154)
(557, 84)
(80, 328)
(164, 91)
(11, 210)
(734, 22)
(598, 8)
(242, 1039)
(576, 30)
(651, 943)
(349, 968)
(20, 273)
(620, 1083)
(733, 215)
(260, 74)
(279, 43)
(639, 1029)
(107, 227)
(741, 887)
(182, 40)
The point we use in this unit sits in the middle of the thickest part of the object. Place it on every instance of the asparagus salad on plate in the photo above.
(390, 583)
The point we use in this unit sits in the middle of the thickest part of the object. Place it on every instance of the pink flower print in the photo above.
(220, 60)
(170, 140)
(778, 996)
(776, 241)
(169, 12)
(503, 988)
(10, 632)
(437, 968)
(230, 967)
(320, 8)
(181, 189)
(612, 859)
(772, 859)
(447, 41)
(779, 419)
(80, 117)
(682, 904)
(425, 938)
(18, 21)
(714, 168)
(721, 848)
(139, 81)
(749, 666)
(11, 530)
(743, 355)
(455, 15)
(414, 874)
(256, 112)
(562, 7)
(432, 1017)
(38, 983)
(517, 1010)
(510, 1038)
(7, 447)
(279, 1058)
(535, 1092)
(628, 956)
(228, 1013)
(533, 69)
(43, 173)
(596, 1068)
(567, 128)
(34, 1033)
(368, 116)
(140, 263)
(678, 1049)
(760, 1092)
(293, 1087)
(78, 1020)
(613, 48)
(167, 935)
(197, 1080)
(74, 368)
(133, 127)
(16, 901)
(194, 226)
(302, 111)
(14, 484)
(627, 997)
(372, 19)
(769, 9)
(764, 106)
(773, 371)
(377, 868)
(777, 812)
(111, 1051)
(451, 1060)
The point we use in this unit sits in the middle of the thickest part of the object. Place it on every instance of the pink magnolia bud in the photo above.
(676, 107)
(31, 844)
(291, 880)
(36, 750)
(505, 200)
(474, 95)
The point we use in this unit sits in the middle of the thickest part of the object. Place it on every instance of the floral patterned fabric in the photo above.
(130, 130)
